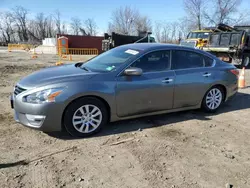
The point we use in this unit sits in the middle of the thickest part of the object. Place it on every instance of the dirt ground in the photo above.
(189, 149)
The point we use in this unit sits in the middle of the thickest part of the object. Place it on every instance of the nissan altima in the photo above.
(129, 81)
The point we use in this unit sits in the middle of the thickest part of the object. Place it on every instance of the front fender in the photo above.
(103, 90)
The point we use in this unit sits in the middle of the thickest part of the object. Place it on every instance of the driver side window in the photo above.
(154, 61)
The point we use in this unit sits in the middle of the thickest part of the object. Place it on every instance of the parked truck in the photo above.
(197, 39)
(115, 39)
(231, 45)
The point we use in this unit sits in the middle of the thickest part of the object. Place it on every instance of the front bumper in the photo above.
(45, 117)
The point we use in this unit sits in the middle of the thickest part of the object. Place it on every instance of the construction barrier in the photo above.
(63, 55)
(78, 51)
(20, 47)
(65, 59)
(83, 51)
(75, 54)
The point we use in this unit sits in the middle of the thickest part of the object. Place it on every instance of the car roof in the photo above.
(148, 46)
(159, 46)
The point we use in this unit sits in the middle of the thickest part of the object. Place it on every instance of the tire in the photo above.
(85, 117)
(243, 63)
(213, 99)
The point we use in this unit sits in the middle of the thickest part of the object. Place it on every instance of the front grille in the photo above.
(18, 90)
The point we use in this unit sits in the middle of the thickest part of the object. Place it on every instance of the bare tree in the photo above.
(75, 25)
(126, 20)
(194, 9)
(57, 18)
(33, 33)
(64, 29)
(83, 32)
(50, 29)
(143, 24)
(41, 23)
(184, 27)
(6, 26)
(122, 20)
(90, 27)
(174, 32)
(17, 26)
(167, 32)
(41, 27)
(157, 31)
(20, 18)
(224, 11)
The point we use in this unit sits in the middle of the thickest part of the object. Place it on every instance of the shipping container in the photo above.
(78, 41)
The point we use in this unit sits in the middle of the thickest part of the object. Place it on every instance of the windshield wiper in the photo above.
(78, 64)
(86, 69)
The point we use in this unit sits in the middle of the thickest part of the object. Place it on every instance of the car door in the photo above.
(194, 75)
(152, 91)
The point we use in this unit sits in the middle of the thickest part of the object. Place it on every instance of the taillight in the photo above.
(235, 72)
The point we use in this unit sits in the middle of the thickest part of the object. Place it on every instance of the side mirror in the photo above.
(246, 62)
(133, 71)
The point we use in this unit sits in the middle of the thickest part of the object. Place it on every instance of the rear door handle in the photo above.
(167, 80)
(207, 74)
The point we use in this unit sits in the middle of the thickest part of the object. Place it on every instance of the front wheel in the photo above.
(213, 99)
(85, 117)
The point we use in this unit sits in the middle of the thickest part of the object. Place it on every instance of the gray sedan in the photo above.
(126, 82)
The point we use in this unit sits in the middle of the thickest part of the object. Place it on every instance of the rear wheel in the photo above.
(246, 61)
(213, 99)
(85, 117)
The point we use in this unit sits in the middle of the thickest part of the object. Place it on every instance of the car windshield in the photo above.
(196, 35)
(110, 60)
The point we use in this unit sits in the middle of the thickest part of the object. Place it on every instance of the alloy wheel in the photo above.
(214, 98)
(87, 118)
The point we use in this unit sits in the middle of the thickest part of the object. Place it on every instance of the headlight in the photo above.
(44, 96)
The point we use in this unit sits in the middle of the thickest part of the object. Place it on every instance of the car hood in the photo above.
(53, 75)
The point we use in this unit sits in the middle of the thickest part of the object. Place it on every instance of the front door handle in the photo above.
(207, 74)
(167, 80)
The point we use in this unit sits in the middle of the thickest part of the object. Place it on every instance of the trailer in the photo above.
(115, 39)
(231, 44)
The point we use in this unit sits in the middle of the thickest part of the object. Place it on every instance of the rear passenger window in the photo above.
(186, 59)
(208, 61)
